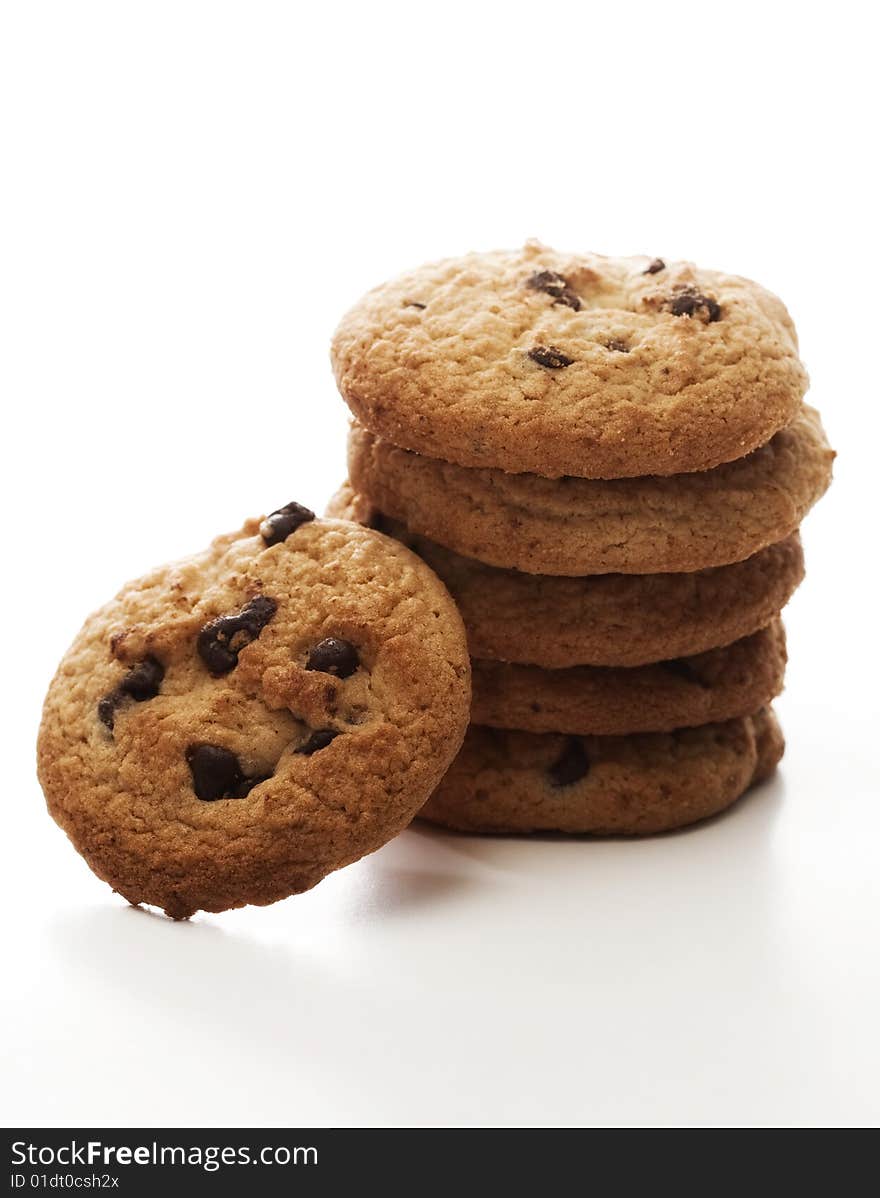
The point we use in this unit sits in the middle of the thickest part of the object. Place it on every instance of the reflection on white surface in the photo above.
(464, 980)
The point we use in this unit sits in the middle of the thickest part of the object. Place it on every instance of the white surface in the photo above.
(193, 195)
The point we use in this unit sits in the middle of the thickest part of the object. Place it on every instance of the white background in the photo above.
(192, 194)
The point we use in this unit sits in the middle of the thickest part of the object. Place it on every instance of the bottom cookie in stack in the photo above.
(510, 781)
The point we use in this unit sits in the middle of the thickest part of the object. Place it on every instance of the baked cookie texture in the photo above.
(561, 364)
(576, 526)
(708, 688)
(232, 727)
(603, 619)
(518, 782)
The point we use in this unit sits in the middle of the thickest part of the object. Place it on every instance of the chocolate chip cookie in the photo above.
(619, 785)
(601, 619)
(232, 727)
(682, 693)
(561, 364)
(576, 526)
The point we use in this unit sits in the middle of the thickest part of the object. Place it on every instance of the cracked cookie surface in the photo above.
(605, 785)
(232, 727)
(600, 619)
(576, 526)
(559, 364)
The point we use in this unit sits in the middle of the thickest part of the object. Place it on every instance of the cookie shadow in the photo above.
(383, 892)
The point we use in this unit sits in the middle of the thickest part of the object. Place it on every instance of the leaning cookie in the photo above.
(556, 364)
(601, 619)
(575, 526)
(708, 688)
(231, 728)
(615, 785)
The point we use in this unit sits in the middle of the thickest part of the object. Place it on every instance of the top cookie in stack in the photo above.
(676, 392)
(555, 364)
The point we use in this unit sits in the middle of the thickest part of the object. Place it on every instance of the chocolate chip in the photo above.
(279, 525)
(571, 765)
(217, 773)
(654, 267)
(619, 347)
(689, 302)
(414, 304)
(107, 709)
(318, 740)
(334, 656)
(247, 785)
(550, 356)
(142, 682)
(220, 642)
(556, 285)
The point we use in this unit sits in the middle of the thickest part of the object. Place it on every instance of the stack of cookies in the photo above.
(607, 462)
